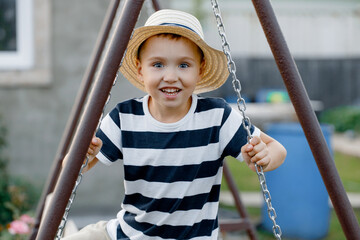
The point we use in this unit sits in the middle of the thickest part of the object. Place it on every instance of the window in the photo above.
(16, 35)
(25, 54)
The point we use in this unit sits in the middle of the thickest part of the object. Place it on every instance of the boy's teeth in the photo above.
(170, 90)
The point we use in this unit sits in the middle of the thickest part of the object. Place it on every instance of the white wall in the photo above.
(315, 28)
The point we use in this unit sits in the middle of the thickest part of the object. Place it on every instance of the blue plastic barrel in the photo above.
(297, 190)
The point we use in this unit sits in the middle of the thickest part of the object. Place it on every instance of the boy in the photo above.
(173, 142)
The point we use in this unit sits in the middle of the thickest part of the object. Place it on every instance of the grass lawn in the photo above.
(347, 166)
(335, 230)
(349, 171)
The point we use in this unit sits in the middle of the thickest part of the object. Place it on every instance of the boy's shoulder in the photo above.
(208, 103)
(131, 106)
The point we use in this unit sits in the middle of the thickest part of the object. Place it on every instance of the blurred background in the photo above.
(45, 47)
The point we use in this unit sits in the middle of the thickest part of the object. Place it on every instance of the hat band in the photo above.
(178, 25)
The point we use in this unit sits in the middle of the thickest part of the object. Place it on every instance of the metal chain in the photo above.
(71, 200)
(267, 198)
(64, 219)
(246, 120)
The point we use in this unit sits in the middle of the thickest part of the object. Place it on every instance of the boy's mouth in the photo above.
(170, 91)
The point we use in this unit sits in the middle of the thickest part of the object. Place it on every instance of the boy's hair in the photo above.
(170, 36)
(172, 23)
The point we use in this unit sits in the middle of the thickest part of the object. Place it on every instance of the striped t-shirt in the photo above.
(172, 171)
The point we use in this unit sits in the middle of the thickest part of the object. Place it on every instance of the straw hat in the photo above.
(186, 25)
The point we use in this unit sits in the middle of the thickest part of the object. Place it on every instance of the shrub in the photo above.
(342, 118)
(5, 213)
(17, 197)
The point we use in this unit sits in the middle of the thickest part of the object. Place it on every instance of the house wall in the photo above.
(35, 115)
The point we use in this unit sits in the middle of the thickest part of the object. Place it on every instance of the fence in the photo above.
(335, 82)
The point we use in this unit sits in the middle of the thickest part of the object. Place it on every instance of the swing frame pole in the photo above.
(156, 5)
(90, 118)
(75, 113)
(244, 222)
(307, 118)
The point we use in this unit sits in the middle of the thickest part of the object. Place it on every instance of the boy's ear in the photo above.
(138, 69)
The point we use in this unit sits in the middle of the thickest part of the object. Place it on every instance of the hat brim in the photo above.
(215, 69)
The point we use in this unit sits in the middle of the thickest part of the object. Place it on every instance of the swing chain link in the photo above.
(267, 198)
(80, 176)
(246, 120)
(231, 66)
(70, 202)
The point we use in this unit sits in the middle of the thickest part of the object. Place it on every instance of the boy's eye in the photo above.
(183, 65)
(158, 65)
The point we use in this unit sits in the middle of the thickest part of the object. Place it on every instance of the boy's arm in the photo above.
(93, 150)
(265, 151)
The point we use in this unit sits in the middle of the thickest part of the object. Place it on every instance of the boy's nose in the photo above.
(170, 75)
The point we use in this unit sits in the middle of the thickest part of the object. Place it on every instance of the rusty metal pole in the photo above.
(90, 117)
(76, 111)
(156, 5)
(307, 118)
(250, 229)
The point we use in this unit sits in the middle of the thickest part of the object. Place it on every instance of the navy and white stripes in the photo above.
(172, 172)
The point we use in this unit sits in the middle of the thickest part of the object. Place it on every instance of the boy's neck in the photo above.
(168, 114)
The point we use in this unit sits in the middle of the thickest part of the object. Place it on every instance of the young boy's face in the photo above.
(169, 69)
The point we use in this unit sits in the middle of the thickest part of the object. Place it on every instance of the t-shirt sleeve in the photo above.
(233, 133)
(110, 134)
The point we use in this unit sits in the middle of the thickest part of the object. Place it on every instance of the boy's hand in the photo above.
(93, 150)
(256, 152)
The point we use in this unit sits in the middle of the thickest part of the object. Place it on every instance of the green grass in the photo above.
(349, 171)
(335, 230)
(347, 166)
